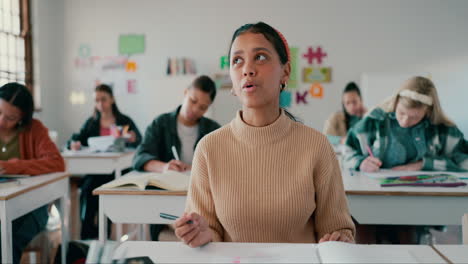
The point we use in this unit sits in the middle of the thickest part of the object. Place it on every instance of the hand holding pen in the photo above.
(176, 164)
(195, 234)
(371, 163)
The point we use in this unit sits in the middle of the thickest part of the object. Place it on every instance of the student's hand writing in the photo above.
(75, 145)
(370, 164)
(410, 167)
(177, 165)
(194, 234)
(335, 236)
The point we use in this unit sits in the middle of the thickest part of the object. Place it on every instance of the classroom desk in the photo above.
(177, 252)
(371, 204)
(137, 207)
(30, 194)
(84, 162)
(454, 253)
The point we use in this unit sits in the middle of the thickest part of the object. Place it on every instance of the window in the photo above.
(15, 43)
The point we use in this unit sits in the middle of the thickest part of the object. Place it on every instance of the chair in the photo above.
(465, 228)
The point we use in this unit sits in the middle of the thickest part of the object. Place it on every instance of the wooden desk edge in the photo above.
(406, 193)
(137, 192)
(64, 175)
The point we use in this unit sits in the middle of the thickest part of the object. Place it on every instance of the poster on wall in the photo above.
(131, 44)
(115, 71)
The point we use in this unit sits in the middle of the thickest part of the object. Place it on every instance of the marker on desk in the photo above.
(171, 217)
(174, 152)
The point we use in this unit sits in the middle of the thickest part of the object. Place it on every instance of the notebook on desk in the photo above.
(169, 180)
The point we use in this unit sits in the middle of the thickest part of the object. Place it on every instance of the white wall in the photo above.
(47, 17)
(359, 36)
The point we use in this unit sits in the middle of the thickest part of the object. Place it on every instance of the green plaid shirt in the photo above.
(440, 147)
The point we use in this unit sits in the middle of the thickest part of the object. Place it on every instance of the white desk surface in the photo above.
(359, 184)
(176, 252)
(30, 183)
(455, 253)
(141, 207)
(31, 193)
(81, 154)
(85, 162)
(370, 203)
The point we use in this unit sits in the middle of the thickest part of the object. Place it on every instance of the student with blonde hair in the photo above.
(408, 132)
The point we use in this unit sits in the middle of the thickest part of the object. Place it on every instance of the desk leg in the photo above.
(118, 226)
(141, 234)
(7, 249)
(102, 222)
(65, 220)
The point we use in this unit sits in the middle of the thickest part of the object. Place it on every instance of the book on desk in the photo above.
(169, 180)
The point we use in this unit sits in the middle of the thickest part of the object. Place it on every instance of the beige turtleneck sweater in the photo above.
(278, 183)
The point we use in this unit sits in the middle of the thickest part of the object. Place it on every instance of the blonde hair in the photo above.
(425, 87)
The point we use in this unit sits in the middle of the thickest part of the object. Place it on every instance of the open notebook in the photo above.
(169, 180)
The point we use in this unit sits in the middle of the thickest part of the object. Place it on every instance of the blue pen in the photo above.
(351, 172)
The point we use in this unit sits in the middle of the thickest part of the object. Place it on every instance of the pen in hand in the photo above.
(174, 152)
(172, 217)
(370, 151)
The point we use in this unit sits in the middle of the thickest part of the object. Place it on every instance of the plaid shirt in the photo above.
(443, 147)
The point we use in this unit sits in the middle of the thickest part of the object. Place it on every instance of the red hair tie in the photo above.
(285, 42)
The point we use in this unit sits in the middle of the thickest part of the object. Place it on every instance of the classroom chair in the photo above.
(465, 228)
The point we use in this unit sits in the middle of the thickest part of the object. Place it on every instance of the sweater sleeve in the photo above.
(332, 213)
(453, 155)
(46, 157)
(149, 147)
(83, 135)
(199, 198)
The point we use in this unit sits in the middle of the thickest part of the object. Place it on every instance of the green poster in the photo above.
(292, 84)
(131, 44)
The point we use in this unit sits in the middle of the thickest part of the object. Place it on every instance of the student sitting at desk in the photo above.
(408, 132)
(25, 148)
(106, 115)
(181, 129)
(352, 111)
(264, 177)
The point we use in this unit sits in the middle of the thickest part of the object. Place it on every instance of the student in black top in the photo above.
(182, 128)
(106, 114)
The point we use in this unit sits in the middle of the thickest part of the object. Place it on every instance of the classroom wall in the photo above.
(48, 50)
(359, 36)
